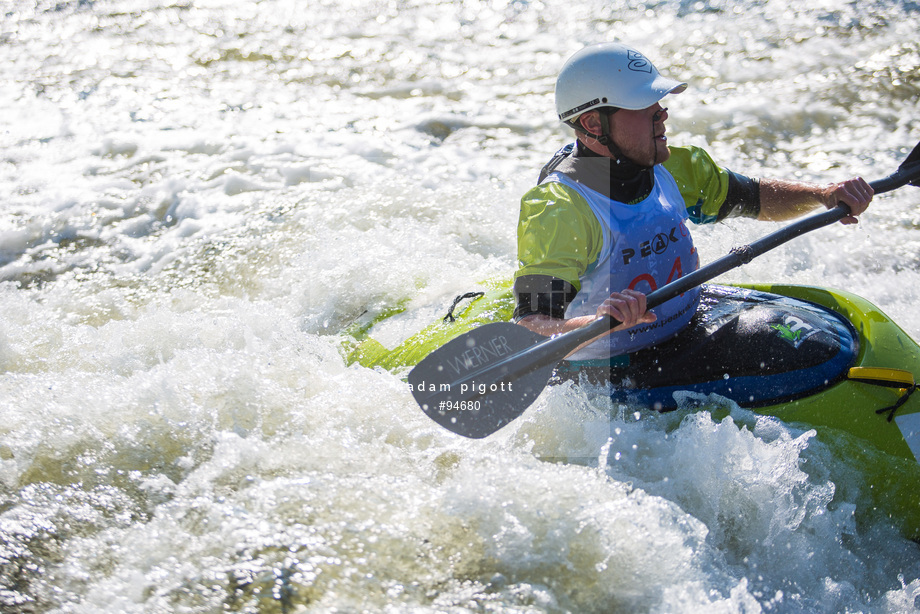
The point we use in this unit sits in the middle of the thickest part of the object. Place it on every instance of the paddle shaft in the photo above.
(556, 348)
(487, 358)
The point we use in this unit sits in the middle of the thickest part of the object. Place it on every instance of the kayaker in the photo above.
(607, 222)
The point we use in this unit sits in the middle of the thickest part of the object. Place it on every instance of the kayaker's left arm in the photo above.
(784, 200)
(713, 193)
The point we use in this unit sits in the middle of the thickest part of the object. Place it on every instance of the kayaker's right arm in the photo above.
(627, 307)
(542, 299)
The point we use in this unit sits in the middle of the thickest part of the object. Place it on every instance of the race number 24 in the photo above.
(676, 273)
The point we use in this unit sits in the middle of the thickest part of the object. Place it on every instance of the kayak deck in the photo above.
(753, 347)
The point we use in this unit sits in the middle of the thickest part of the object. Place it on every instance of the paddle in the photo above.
(480, 381)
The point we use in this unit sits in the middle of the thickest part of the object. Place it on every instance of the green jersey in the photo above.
(559, 235)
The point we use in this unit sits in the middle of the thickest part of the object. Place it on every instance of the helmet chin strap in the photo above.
(605, 138)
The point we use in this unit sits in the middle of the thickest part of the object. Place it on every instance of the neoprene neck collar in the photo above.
(623, 181)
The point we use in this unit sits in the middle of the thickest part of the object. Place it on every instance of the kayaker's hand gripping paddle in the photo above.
(480, 381)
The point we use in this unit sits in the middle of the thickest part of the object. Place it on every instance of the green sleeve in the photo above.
(702, 183)
(558, 234)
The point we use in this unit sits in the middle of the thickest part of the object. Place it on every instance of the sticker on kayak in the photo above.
(794, 330)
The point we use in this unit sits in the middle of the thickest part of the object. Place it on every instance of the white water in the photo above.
(199, 196)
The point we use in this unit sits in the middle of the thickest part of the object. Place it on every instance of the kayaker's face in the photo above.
(640, 135)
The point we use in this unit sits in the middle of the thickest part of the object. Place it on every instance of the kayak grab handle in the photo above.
(889, 378)
(882, 376)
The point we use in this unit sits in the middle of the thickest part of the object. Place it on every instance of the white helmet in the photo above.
(609, 75)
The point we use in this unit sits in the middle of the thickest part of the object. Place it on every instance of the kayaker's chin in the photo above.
(662, 152)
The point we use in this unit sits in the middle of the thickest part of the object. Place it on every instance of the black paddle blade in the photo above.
(913, 161)
(471, 387)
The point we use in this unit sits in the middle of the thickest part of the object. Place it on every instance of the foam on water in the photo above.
(199, 198)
